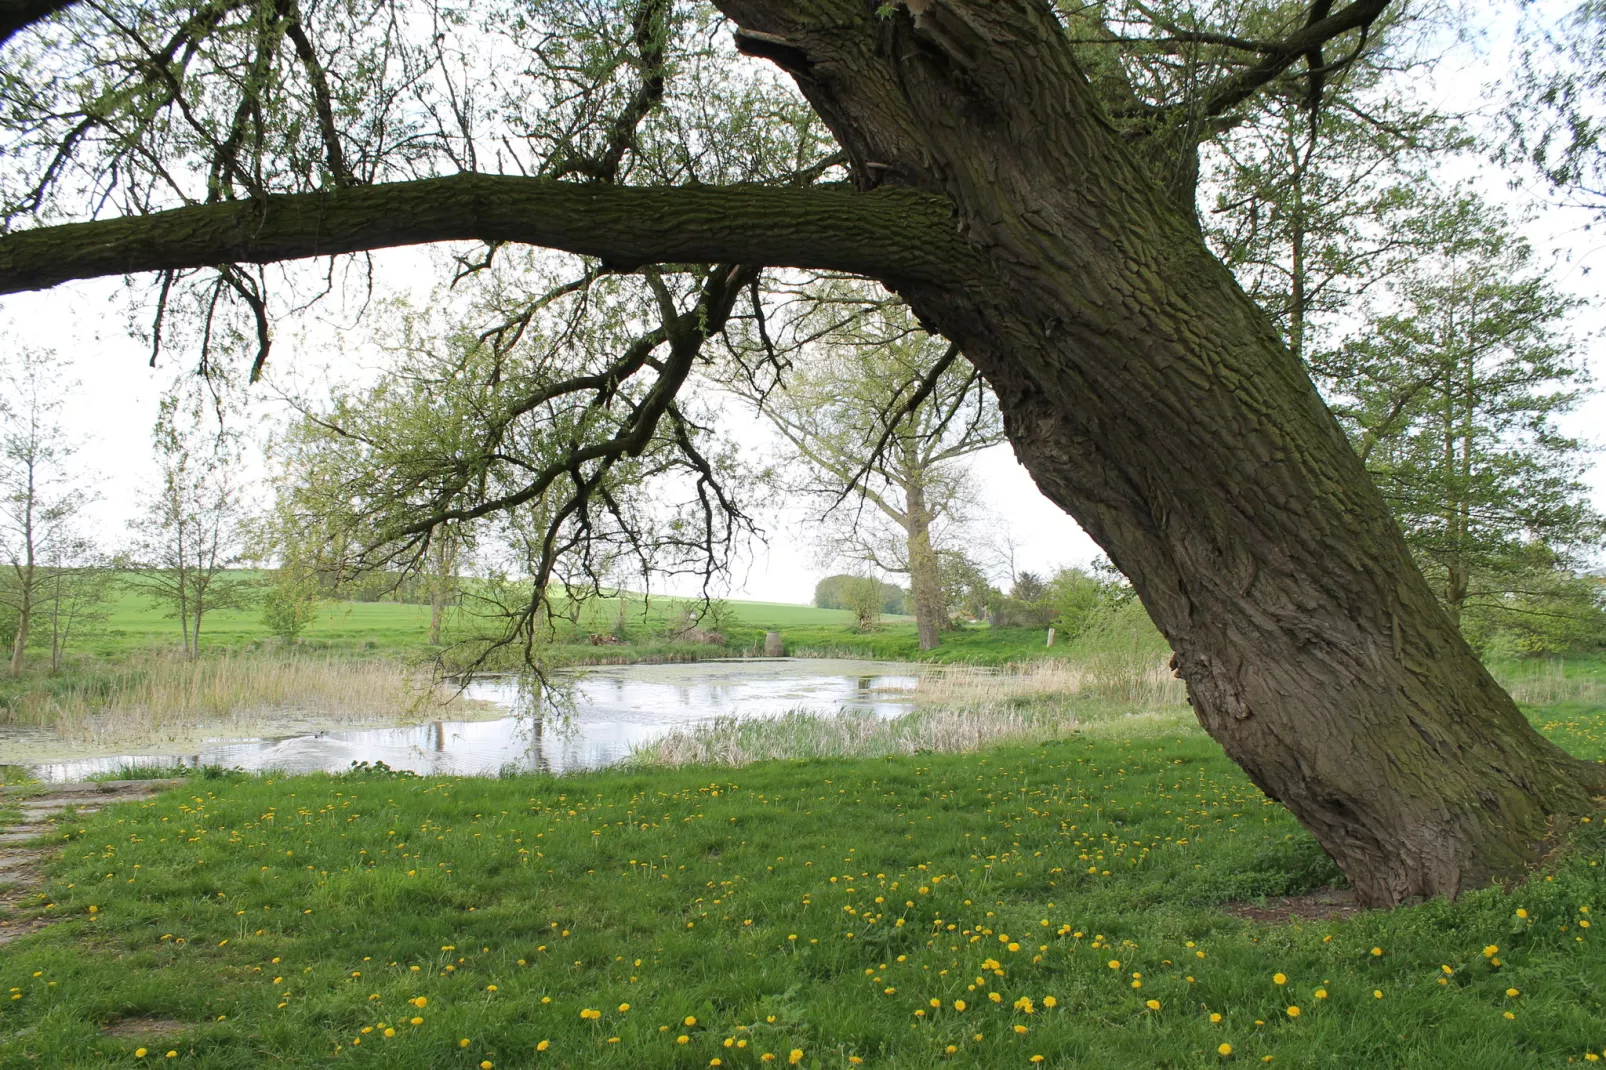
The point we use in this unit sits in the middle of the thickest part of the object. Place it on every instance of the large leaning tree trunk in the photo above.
(1143, 390)
(1153, 401)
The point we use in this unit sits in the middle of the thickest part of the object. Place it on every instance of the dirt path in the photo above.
(23, 853)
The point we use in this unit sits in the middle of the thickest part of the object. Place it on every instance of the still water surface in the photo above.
(616, 709)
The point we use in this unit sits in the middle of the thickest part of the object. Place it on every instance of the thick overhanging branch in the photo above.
(890, 234)
(1305, 42)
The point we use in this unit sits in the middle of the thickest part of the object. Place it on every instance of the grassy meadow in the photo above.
(134, 625)
(1074, 902)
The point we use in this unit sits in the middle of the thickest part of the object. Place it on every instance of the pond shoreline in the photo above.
(489, 725)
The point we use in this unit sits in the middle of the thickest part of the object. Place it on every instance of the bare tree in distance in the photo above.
(191, 535)
(42, 493)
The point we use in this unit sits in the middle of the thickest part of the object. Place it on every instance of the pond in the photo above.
(616, 708)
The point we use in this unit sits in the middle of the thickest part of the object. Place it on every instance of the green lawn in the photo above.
(1066, 901)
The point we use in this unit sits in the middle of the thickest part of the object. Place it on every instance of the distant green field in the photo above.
(135, 624)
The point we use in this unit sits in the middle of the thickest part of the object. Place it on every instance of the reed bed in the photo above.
(959, 709)
(1136, 679)
(735, 741)
(163, 697)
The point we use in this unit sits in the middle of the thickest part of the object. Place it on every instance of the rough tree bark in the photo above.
(1143, 390)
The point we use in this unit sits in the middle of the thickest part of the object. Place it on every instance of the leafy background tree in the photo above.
(878, 416)
(191, 538)
(1451, 389)
(830, 593)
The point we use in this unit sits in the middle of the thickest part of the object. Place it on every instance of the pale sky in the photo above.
(114, 407)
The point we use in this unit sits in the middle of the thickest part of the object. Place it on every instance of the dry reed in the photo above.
(1137, 679)
(959, 709)
(849, 733)
(167, 697)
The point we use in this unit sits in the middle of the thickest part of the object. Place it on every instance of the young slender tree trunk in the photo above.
(1151, 399)
(925, 582)
(26, 578)
(19, 644)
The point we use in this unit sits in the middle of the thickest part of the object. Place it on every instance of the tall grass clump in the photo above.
(167, 696)
(1113, 678)
(802, 734)
(1553, 682)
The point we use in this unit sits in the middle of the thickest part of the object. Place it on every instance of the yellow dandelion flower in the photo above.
(463, 1043)
(486, 1064)
(1513, 993)
(1050, 1002)
(1153, 1004)
(1279, 979)
(794, 1057)
(959, 1004)
(1293, 1012)
(139, 1053)
(1377, 951)
(1224, 1050)
(683, 1039)
(543, 1045)
(1020, 1029)
(1215, 1018)
(623, 1007)
(1521, 913)
(690, 1020)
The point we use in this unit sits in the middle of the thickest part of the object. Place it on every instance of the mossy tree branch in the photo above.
(888, 234)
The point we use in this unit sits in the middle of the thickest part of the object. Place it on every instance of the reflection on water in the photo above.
(615, 709)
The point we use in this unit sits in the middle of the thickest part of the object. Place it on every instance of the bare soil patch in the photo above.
(143, 1028)
(1324, 904)
(22, 858)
